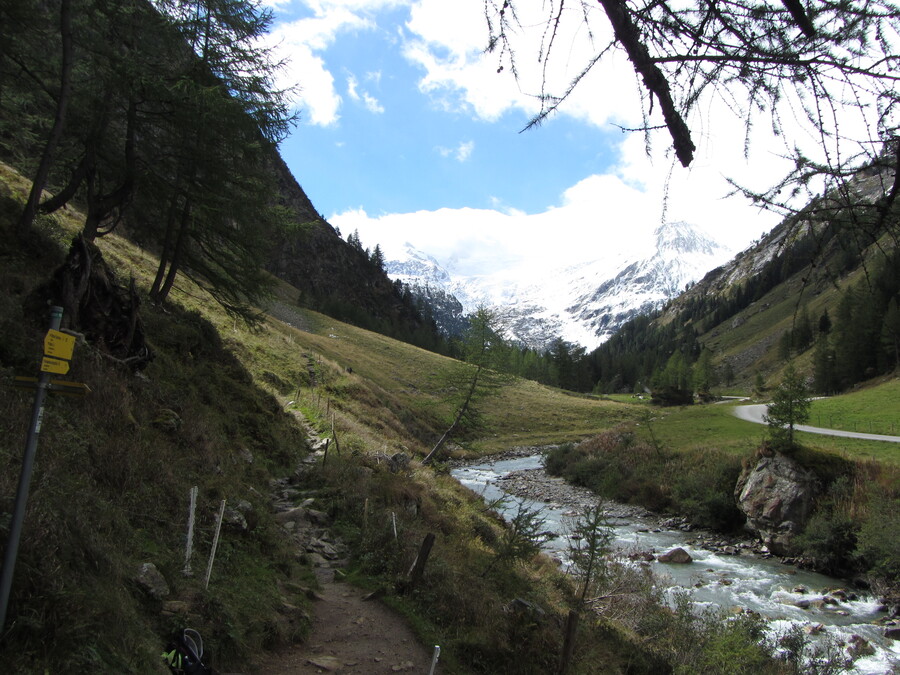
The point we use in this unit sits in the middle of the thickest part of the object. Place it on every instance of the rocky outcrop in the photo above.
(777, 496)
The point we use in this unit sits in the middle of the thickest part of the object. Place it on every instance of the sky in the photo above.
(410, 132)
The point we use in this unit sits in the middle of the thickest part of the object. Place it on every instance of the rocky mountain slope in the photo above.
(583, 303)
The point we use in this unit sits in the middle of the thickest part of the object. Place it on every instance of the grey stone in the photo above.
(151, 581)
(676, 556)
(776, 496)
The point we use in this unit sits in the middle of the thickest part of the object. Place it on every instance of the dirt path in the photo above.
(352, 636)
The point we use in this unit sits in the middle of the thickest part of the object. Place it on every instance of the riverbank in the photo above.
(732, 574)
(536, 484)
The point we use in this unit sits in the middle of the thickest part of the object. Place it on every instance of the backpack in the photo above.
(184, 654)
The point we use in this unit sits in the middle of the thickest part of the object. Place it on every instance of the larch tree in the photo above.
(824, 73)
(472, 379)
(229, 116)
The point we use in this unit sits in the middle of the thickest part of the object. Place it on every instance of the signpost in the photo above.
(58, 350)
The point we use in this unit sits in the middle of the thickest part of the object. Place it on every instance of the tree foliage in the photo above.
(789, 407)
(165, 112)
(473, 379)
(827, 69)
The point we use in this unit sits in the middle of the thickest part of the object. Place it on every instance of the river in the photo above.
(724, 573)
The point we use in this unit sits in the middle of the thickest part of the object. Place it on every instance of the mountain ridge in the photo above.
(582, 303)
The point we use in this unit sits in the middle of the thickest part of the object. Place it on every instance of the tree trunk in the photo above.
(167, 247)
(103, 206)
(62, 104)
(459, 415)
(177, 254)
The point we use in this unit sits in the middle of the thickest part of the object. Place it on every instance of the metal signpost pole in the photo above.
(18, 516)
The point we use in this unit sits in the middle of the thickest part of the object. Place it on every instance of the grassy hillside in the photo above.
(223, 406)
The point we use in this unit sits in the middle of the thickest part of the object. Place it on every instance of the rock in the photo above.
(398, 462)
(315, 560)
(523, 607)
(841, 595)
(859, 646)
(246, 455)
(318, 517)
(892, 633)
(800, 589)
(676, 556)
(643, 556)
(175, 607)
(327, 663)
(777, 496)
(803, 604)
(236, 516)
(167, 419)
(297, 515)
(151, 581)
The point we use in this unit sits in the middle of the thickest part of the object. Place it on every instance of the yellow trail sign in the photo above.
(58, 345)
(57, 366)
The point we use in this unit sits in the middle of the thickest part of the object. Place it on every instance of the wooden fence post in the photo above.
(568, 649)
(337, 446)
(418, 566)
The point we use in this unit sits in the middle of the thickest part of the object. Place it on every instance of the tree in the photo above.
(785, 345)
(63, 97)
(704, 374)
(789, 407)
(890, 332)
(824, 377)
(803, 332)
(728, 373)
(829, 67)
(589, 539)
(227, 119)
(169, 107)
(473, 379)
(824, 323)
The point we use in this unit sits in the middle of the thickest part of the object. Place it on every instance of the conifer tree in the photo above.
(789, 407)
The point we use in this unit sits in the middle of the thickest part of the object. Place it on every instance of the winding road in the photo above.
(756, 413)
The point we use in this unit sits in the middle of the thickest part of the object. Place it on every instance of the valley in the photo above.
(533, 452)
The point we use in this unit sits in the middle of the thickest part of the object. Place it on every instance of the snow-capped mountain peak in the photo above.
(582, 303)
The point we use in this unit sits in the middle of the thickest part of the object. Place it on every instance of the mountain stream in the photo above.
(724, 574)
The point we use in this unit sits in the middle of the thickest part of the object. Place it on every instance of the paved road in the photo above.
(756, 413)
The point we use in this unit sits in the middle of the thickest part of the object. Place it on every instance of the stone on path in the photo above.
(327, 663)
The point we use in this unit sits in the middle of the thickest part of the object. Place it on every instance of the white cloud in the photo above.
(600, 216)
(460, 153)
(372, 104)
(299, 43)
(448, 43)
(464, 151)
(351, 88)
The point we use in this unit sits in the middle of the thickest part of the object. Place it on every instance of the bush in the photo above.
(878, 544)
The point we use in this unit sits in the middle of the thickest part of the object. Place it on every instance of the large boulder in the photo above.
(777, 497)
(676, 556)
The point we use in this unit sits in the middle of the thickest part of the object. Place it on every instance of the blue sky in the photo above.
(409, 133)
